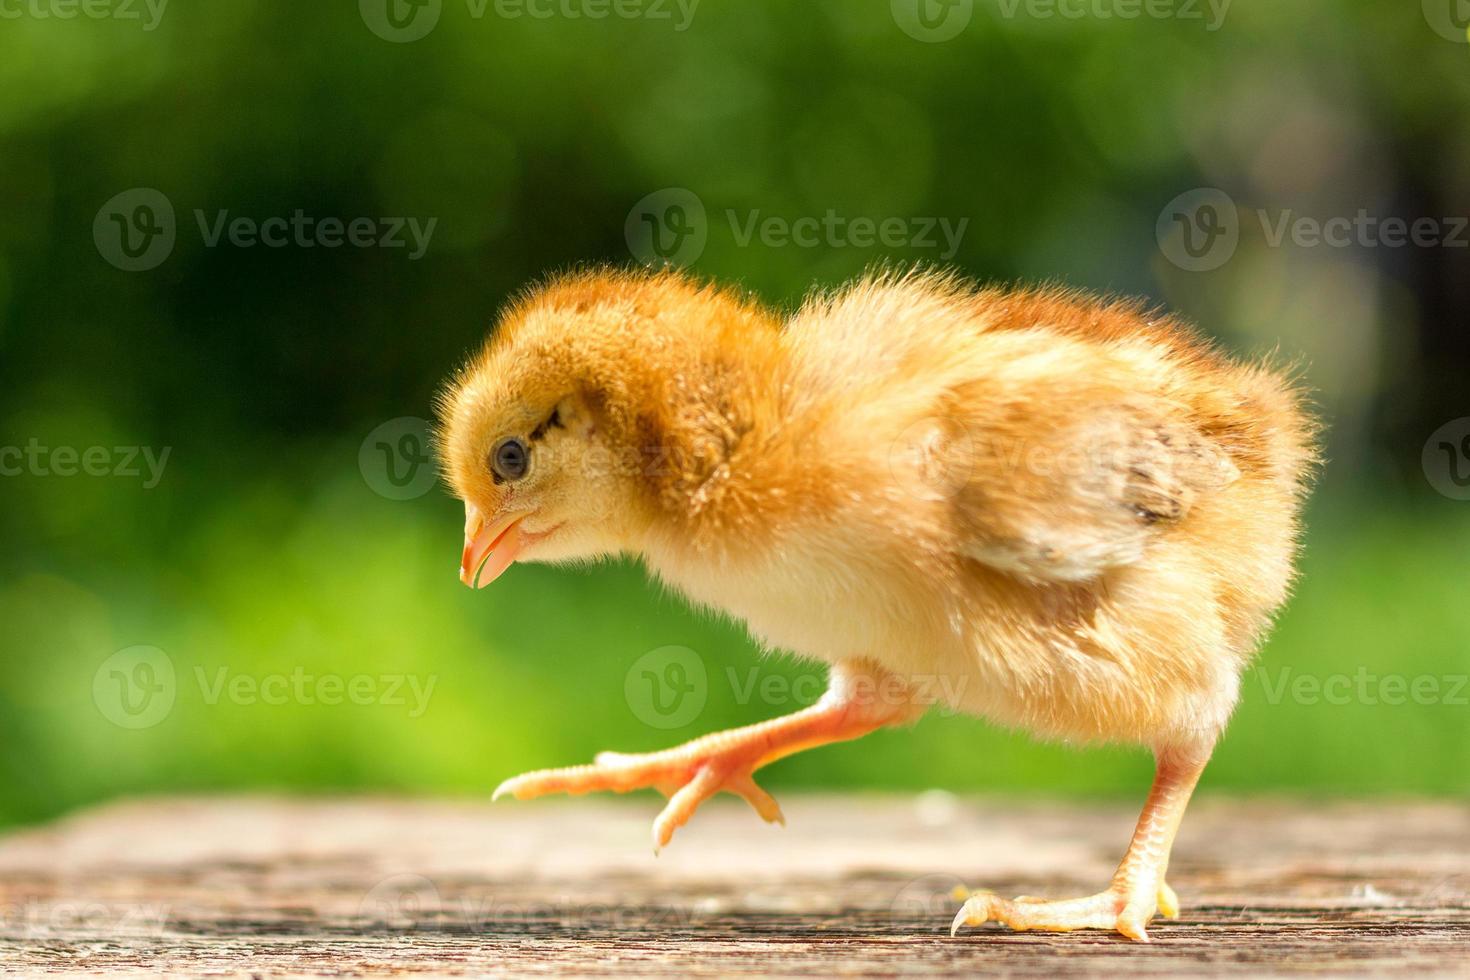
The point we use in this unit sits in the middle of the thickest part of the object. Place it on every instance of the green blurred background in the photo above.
(272, 545)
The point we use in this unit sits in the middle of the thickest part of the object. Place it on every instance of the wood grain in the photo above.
(855, 886)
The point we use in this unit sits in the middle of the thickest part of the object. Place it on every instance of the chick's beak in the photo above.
(489, 548)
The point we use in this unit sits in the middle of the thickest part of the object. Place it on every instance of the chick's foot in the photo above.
(1120, 908)
(691, 773)
(1138, 890)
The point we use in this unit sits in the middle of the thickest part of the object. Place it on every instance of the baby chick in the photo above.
(1075, 512)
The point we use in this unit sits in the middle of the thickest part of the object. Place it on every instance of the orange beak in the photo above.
(489, 549)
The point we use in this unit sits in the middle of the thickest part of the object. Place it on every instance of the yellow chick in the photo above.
(1075, 512)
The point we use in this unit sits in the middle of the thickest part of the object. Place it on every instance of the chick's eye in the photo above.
(511, 459)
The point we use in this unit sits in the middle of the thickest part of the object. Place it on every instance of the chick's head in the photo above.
(569, 434)
(538, 433)
(520, 444)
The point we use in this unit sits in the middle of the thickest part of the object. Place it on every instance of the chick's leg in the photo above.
(1138, 889)
(860, 698)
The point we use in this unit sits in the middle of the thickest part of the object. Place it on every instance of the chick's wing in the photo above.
(1061, 489)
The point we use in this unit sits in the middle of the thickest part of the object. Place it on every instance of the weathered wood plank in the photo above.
(855, 886)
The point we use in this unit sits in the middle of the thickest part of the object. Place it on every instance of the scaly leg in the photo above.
(860, 698)
(1138, 889)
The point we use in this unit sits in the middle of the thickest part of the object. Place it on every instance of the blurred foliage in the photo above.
(263, 550)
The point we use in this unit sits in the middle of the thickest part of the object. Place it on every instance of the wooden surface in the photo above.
(854, 886)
